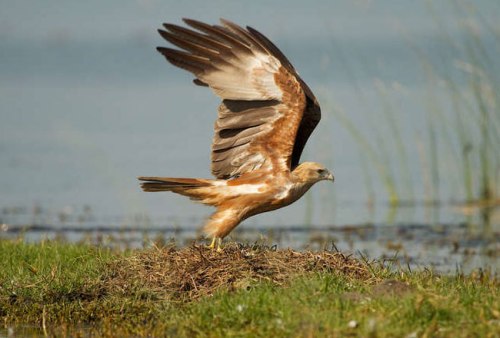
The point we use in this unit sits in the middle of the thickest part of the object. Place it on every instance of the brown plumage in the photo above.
(265, 119)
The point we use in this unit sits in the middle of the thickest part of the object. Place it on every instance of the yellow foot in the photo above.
(216, 244)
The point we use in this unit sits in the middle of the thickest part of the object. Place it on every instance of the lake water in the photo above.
(87, 105)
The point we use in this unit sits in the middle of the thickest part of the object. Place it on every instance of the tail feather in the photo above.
(170, 183)
(195, 188)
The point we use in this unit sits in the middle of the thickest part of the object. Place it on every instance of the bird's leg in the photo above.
(216, 244)
(212, 245)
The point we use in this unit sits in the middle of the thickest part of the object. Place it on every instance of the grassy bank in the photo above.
(56, 289)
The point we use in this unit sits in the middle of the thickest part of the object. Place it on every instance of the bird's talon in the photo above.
(212, 245)
(215, 244)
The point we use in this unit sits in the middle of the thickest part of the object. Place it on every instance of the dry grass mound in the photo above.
(189, 273)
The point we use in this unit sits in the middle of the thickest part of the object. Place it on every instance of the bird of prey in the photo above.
(264, 121)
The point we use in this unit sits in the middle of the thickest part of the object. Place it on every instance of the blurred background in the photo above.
(409, 94)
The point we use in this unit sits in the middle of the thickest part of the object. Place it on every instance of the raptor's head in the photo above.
(312, 172)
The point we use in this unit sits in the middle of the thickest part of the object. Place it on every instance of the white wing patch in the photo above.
(246, 189)
(236, 190)
(248, 77)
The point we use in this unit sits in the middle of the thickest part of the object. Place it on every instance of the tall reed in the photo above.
(462, 138)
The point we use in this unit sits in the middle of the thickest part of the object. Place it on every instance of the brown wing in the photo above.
(312, 113)
(267, 112)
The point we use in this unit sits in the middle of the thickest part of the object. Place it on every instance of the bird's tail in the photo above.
(211, 192)
(198, 189)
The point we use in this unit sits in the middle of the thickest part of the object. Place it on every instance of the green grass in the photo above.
(58, 286)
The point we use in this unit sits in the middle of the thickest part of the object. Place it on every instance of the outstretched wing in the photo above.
(267, 112)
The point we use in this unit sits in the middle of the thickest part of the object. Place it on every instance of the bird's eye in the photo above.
(321, 171)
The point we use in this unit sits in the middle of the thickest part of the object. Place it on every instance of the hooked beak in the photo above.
(329, 177)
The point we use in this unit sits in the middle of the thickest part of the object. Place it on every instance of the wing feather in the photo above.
(267, 112)
(196, 37)
(191, 46)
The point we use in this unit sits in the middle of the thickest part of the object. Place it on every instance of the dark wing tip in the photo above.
(191, 22)
(171, 27)
(253, 30)
(169, 52)
(198, 82)
(162, 33)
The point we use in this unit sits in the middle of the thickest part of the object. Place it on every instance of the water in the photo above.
(87, 105)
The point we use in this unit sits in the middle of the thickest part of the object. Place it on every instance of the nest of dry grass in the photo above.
(195, 271)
